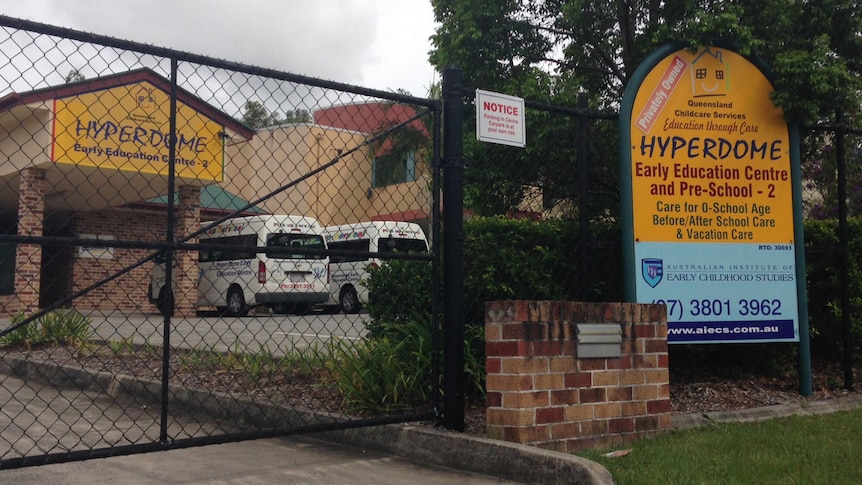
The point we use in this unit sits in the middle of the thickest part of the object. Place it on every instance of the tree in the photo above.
(73, 76)
(549, 50)
(297, 116)
(257, 116)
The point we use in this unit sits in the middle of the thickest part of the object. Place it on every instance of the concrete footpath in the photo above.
(392, 454)
(294, 460)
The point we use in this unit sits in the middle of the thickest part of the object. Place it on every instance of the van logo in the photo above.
(319, 272)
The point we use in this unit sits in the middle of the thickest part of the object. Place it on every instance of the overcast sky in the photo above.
(380, 44)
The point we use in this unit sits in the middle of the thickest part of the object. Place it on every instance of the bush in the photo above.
(60, 327)
(524, 259)
(390, 372)
(824, 265)
(400, 292)
(509, 259)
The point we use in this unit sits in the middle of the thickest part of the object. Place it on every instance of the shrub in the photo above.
(60, 327)
(400, 292)
(390, 372)
(824, 265)
(508, 259)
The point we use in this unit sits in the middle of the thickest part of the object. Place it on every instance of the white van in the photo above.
(347, 290)
(239, 276)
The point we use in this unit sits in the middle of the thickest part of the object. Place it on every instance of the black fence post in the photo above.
(583, 189)
(844, 243)
(453, 249)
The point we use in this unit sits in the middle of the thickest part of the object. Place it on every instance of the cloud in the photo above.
(380, 44)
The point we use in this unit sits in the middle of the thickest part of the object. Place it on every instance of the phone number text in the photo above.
(706, 307)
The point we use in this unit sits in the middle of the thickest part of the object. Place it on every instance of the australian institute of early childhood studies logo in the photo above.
(652, 271)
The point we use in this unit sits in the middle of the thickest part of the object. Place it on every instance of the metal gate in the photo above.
(121, 329)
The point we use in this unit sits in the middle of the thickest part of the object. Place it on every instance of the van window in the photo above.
(235, 247)
(288, 240)
(390, 245)
(358, 245)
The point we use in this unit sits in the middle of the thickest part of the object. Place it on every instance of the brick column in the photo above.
(540, 392)
(188, 221)
(28, 258)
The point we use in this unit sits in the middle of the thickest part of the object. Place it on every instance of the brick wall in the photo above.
(539, 392)
(28, 258)
(127, 293)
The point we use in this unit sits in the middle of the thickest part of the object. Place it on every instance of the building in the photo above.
(89, 160)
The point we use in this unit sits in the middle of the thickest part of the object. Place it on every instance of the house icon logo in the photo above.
(710, 74)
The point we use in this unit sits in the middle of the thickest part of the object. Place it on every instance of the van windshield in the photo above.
(390, 245)
(294, 241)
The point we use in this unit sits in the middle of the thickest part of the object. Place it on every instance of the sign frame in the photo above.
(645, 274)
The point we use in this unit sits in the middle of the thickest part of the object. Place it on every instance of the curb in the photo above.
(420, 444)
(484, 456)
(801, 407)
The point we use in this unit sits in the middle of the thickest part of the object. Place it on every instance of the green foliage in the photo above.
(824, 264)
(813, 47)
(391, 372)
(549, 51)
(255, 365)
(400, 329)
(257, 116)
(391, 286)
(794, 450)
(121, 347)
(820, 176)
(509, 259)
(60, 327)
(504, 259)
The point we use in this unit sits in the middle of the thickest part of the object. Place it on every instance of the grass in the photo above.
(821, 449)
(259, 364)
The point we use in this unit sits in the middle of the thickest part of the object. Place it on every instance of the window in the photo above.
(236, 247)
(393, 245)
(286, 240)
(359, 245)
(393, 168)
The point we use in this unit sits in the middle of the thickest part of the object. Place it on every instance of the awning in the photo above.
(214, 200)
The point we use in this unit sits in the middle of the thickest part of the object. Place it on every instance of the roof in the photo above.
(114, 80)
(214, 199)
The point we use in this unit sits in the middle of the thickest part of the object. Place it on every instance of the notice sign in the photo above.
(707, 161)
(500, 119)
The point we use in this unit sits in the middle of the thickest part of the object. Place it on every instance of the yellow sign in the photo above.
(710, 153)
(127, 128)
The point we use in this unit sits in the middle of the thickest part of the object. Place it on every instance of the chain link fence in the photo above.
(563, 189)
(832, 186)
(185, 245)
(565, 185)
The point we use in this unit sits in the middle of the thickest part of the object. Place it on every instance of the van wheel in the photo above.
(236, 303)
(165, 303)
(348, 301)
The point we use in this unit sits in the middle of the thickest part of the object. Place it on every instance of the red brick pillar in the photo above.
(541, 392)
(28, 259)
(188, 222)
